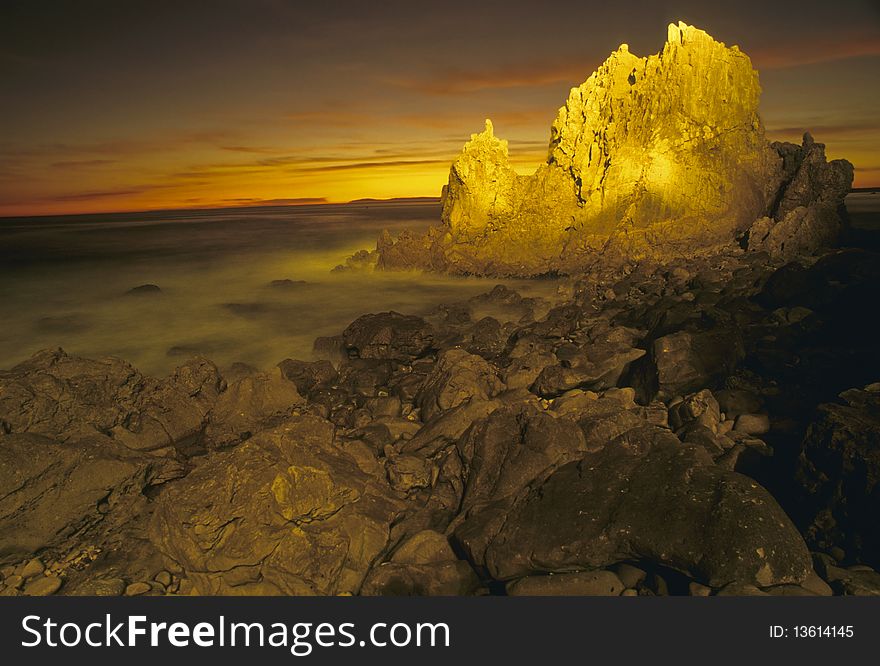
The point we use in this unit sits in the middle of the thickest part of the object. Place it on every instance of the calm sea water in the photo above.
(63, 282)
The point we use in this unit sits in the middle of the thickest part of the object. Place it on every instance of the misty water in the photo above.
(63, 282)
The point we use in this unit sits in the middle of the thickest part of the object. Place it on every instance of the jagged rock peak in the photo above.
(661, 155)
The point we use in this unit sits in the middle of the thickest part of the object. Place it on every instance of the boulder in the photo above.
(457, 377)
(513, 447)
(249, 405)
(653, 499)
(388, 335)
(306, 375)
(687, 361)
(286, 512)
(593, 367)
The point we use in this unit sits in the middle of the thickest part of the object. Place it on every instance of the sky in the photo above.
(129, 105)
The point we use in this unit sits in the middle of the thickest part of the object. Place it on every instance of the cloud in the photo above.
(80, 164)
(455, 81)
(785, 54)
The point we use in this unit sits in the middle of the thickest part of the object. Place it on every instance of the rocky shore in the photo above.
(705, 426)
(697, 411)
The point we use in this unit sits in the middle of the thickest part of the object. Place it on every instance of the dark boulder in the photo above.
(653, 499)
(388, 335)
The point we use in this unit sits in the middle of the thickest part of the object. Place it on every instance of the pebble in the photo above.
(14, 581)
(816, 585)
(698, 590)
(658, 585)
(741, 590)
(33, 568)
(43, 586)
(630, 593)
(163, 577)
(629, 575)
(752, 424)
(136, 589)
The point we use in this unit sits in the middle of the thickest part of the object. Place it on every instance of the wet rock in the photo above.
(593, 367)
(69, 398)
(734, 402)
(407, 473)
(365, 376)
(388, 335)
(448, 426)
(425, 547)
(457, 377)
(629, 575)
(661, 502)
(587, 583)
(854, 582)
(33, 568)
(701, 408)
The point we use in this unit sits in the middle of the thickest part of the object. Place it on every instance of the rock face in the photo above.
(70, 398)
(284, 513)
(840, 469)
(653, 499)
(806, 214)
(654, 156)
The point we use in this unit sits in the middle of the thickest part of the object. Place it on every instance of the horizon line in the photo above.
(317, 201)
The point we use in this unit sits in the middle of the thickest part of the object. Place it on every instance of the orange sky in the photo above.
(131, 106)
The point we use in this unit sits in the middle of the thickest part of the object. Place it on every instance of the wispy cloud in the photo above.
(787, 53)
(456, 81)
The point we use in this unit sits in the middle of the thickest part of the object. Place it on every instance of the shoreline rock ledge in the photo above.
(652, 157)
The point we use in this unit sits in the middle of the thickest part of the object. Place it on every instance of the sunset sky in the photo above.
(128, 105)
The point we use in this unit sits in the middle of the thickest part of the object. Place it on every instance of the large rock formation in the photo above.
(656, 156)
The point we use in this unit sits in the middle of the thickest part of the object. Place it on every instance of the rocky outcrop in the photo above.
(70, 398)
(658, 156)
(839, 468)
(806, 216)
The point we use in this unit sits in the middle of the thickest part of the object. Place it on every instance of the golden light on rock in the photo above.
(650, 155)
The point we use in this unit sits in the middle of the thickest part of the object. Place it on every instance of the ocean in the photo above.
(64, 282)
